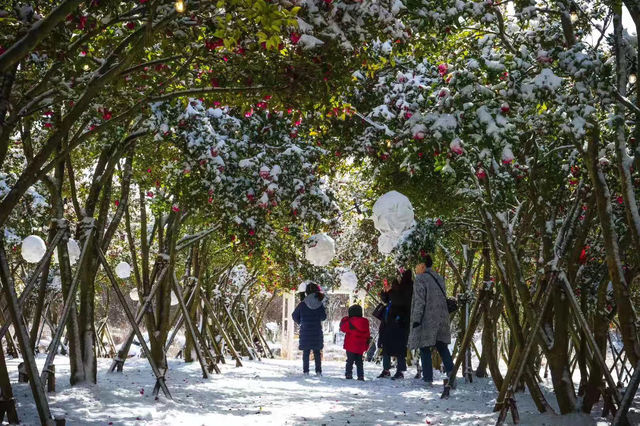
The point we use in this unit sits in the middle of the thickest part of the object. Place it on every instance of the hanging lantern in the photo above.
(74, 251)
(72, 248)
(387, 242)
(320, 249)
(348, 281)
(123, 270)
(392, 213)
(33, 249)
(133, 295)
(302, 287)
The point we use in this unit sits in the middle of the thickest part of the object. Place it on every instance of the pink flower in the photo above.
(149, 194)
(418, 136)
(408, 115)
(252, 232)
(249, 113)
(481, 174)
(619, 199)
(442, 69)
(438, 222)
(175, 208)
(106, 114)
(295, 38)
(48, 125)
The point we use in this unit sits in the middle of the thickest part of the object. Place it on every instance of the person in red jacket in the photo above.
(356, 341)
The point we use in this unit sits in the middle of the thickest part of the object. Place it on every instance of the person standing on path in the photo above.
(430, 319)
(356, 341)
(309, 314)
(394, 328)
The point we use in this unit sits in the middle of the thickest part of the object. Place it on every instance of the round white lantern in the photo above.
(174, 299)
(74, 251)
(392, 213)
(387, 242)
(302, 287)
(348, 281)
(133, 295)
(320, 249)
(123, 270)
(33, 248)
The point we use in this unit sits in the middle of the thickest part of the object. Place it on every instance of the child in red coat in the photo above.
(356, 341)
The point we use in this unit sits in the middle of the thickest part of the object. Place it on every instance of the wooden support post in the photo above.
(206, 362)
(51, 378)
(250, 351)
(40, 398)
(160, 381)
(519, 359)
(7, 401)
(621, 415)
(225, 336)
(118, 362)
(582, 322)
(468, 336)
(89, 228)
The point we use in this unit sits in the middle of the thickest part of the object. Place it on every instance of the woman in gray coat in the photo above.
(430, 319)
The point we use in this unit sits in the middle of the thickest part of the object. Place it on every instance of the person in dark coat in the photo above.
(356, 341)
(394, 328)
(309, 314)
(430, 319)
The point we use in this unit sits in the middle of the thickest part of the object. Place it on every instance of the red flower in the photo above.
(481, 174)
(295, 38)
(116, 202)
(423, 253)
(106, 114)
(131, 25)
(48, 125)
(442, 69)
(438, 222)
(619, 199)
(505, 108)
(408, 115)
(583, 256)
(82, 22)
(215, 82)
(149, 194)
(175, 208)
(252, 232)
(286, 229)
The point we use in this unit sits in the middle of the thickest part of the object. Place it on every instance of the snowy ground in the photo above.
(269, 392)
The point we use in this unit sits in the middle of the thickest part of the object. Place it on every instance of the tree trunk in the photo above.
(626, 311)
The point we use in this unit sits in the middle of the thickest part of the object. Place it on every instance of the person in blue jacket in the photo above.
(309, 314)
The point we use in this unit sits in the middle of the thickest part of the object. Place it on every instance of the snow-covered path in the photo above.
(269, 392)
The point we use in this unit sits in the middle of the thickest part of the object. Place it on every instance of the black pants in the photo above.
(316, 357)
(357, 358)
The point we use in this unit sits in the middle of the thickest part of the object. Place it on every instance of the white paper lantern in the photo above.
(133, 295)
(74, 251)
(33, 248)
(392, 213)
(302, 287)
(348, 281)
(387, 242)
(174, 299)
(320, 249)
(123, 270)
